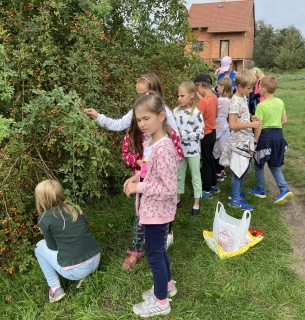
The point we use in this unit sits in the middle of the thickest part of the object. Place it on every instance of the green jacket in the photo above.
(72, 240)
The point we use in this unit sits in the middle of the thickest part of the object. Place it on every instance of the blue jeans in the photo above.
(236, 184)
(157, 258)
(277, 175)
(47, 260)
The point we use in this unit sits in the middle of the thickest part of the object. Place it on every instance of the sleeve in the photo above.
(201, 106)
(170, 119)
(129, 158)
(176, 142)
(234, 107)
(115, 124)
(197, 132)
(166, 169)
(259, 112)
(51, 244)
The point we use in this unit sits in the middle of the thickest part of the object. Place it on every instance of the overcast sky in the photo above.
(278, 13)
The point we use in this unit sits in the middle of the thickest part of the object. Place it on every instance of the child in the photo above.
(190, 125)
(240, 145)
(225, 91)
(255, 98)
(134, 160)
(271, 144)
(157, 186)
(208, 106)
(145, 83)
(68, 247)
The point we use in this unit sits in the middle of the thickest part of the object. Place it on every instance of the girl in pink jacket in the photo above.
(156, 188)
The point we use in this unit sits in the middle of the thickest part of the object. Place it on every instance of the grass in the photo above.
(256, 285)
(292, 93)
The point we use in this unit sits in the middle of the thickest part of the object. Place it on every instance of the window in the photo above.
(198, 46)
(224, 48)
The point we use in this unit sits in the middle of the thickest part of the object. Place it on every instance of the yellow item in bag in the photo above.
(251, 241)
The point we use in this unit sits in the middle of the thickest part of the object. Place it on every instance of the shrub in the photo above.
(58, 58)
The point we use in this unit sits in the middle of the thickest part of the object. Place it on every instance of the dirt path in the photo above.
(293, 214)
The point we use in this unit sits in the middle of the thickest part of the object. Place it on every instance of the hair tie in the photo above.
(147, 93)
(145, 79)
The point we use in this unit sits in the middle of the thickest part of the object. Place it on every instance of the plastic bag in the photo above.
(251, 240)
(230, 233)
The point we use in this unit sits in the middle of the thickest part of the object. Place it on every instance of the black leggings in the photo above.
(208, 171)
(218, 166)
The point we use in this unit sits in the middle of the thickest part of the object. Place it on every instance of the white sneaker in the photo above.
(171, 291)
(170, 239)
(151, 307)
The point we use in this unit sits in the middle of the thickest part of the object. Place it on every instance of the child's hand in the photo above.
(133, 179)
(255, 124)
(130, 188)
(91, 113)
(254, 118)
(199, 95)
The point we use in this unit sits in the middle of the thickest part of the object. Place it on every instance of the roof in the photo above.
(233, 16)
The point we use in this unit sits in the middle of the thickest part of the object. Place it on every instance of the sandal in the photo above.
(128, 264)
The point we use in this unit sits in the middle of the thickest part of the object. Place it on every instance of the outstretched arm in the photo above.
(111, 124)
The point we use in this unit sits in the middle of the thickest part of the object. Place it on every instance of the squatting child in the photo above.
(68, 248)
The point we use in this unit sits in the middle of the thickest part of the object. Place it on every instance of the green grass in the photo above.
(259, 284)
(292, 93)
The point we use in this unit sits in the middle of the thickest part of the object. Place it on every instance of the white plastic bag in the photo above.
(230, 232)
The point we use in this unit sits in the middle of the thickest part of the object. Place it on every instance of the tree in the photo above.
(281, 49)
(264, 51)
(291, 46)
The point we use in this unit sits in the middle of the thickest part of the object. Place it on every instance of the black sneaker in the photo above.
(195, 212)
(78, 283)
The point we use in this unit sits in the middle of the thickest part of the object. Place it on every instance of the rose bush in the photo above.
(58, 58)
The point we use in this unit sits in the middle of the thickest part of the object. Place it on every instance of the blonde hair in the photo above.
(245, 78)
(269, 83)
(226, 83)
(189, 87)
(257, 72)
(50, 194)
(153, 83)
(152, 102)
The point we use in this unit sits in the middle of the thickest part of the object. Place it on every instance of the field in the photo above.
(259, 284)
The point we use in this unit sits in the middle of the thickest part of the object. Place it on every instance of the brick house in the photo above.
(224, 29)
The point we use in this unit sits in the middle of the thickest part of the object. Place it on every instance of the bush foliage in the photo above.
(57, 58)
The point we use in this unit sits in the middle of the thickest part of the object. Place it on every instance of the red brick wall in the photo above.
(240, 46)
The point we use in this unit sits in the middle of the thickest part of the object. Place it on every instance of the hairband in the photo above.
(147, 93)
(145, 79)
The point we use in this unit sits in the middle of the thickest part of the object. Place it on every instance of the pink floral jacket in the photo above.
(159, 188)
(131, 158)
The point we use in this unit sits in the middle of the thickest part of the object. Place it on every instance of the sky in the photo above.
(278, 13)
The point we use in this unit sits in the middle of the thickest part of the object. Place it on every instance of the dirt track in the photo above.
(293, 214)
